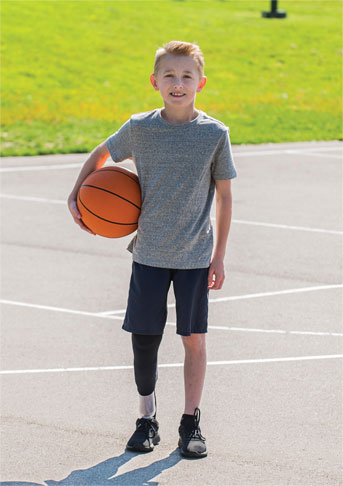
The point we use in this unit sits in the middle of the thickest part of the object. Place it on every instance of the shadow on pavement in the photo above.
(102, 474)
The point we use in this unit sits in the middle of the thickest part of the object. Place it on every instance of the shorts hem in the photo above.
(180, 333)
(146, 332)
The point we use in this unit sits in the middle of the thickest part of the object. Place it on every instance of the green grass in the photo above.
(74, 71)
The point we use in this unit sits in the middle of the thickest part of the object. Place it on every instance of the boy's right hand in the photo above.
(77, 216)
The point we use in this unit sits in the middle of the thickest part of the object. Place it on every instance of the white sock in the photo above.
(147, 405)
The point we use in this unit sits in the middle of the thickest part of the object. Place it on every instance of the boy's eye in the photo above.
(170, 75)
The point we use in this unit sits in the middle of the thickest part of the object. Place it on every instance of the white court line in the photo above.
(55, 309)
(236, 221)
(111, 313)
(173, 365)
(235, 154)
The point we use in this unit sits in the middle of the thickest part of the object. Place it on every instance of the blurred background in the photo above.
(74, 71)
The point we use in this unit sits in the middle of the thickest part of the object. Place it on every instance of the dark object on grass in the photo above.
(274, 12)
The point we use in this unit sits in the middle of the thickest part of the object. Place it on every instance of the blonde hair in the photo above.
(179, 48)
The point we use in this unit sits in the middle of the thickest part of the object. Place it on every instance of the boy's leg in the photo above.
(191, 442)
(191, 293)
(194, 370)
(145, 318)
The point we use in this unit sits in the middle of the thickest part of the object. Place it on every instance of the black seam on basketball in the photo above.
(103, 219)
(110, 192)
(120, 172)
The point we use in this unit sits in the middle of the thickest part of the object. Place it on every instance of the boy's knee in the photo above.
(145, 344)
(194, 342)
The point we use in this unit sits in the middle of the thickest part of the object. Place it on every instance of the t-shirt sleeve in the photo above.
(223, 166)
(119, 144)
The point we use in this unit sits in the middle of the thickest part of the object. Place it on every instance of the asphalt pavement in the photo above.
(272, 404)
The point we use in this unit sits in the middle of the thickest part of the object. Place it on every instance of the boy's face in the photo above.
(178, 80)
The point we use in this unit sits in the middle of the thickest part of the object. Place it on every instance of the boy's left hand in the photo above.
(216, 274)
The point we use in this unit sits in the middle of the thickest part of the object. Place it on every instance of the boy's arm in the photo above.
(95, 161)
(223, 222)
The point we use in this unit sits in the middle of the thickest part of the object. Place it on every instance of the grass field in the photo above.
(74, 71)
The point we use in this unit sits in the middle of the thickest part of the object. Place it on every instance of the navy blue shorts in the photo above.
(146, 311)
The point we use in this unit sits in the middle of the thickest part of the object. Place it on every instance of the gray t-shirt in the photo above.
(177, 165)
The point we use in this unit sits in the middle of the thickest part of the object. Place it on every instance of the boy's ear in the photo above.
(154, 81)
(201, 84)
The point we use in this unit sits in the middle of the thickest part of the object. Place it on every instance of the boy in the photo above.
(182, 157)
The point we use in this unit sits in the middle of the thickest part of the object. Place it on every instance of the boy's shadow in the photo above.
(102, 474)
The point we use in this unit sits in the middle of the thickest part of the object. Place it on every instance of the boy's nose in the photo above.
(177, 83)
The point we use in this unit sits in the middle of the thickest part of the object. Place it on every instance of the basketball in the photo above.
(109, 201)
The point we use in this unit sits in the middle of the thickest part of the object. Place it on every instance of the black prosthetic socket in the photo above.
(145, 350)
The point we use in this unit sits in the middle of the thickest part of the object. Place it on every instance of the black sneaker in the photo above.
(191, 442)
(145, 437)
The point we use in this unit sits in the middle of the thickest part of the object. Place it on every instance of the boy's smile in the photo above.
(178, 81)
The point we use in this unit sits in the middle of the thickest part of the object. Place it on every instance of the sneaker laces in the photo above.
(195, 433)
(145, 424)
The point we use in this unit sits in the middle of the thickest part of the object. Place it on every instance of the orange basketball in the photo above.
(109, 201)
